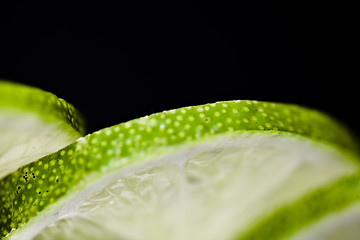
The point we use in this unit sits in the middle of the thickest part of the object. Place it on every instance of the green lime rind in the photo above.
(36, 186)
(286, 221)
(44, 104)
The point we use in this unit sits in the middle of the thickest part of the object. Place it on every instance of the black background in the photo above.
(119, 62)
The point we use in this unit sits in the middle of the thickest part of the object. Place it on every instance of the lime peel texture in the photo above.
(36, 186)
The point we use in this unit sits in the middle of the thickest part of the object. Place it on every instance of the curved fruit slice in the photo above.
(332, 212)
(33, 123)
(203, 172)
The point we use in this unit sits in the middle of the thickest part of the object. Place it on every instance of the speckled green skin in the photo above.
(43, 103)
(36, 186)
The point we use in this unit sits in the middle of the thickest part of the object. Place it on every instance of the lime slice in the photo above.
(33, 123)
(216, 171)
(330, 213)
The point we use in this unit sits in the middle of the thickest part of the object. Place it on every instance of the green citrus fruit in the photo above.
(228, 170)
(33, 123)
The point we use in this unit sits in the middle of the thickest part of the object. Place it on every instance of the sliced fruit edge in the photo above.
(57, 173)
(289, 219)
(43, 103)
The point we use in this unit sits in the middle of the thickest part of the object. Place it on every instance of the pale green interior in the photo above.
(337, 226)
(25, 137)
(212, 190)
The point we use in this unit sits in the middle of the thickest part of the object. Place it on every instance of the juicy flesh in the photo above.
(212, 190)
(26, 137)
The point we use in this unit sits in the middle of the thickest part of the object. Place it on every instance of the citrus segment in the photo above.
(282, 150)
(33, 123)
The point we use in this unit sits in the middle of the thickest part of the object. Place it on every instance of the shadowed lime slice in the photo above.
(33, 123)
(328, 213)
(205, 172)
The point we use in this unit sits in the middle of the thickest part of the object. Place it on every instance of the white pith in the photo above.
(210, 190)
(26, 137)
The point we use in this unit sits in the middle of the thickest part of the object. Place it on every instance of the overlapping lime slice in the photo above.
(33, 123)
(228, 170)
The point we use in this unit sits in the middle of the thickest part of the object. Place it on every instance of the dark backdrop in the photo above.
(119, 62)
